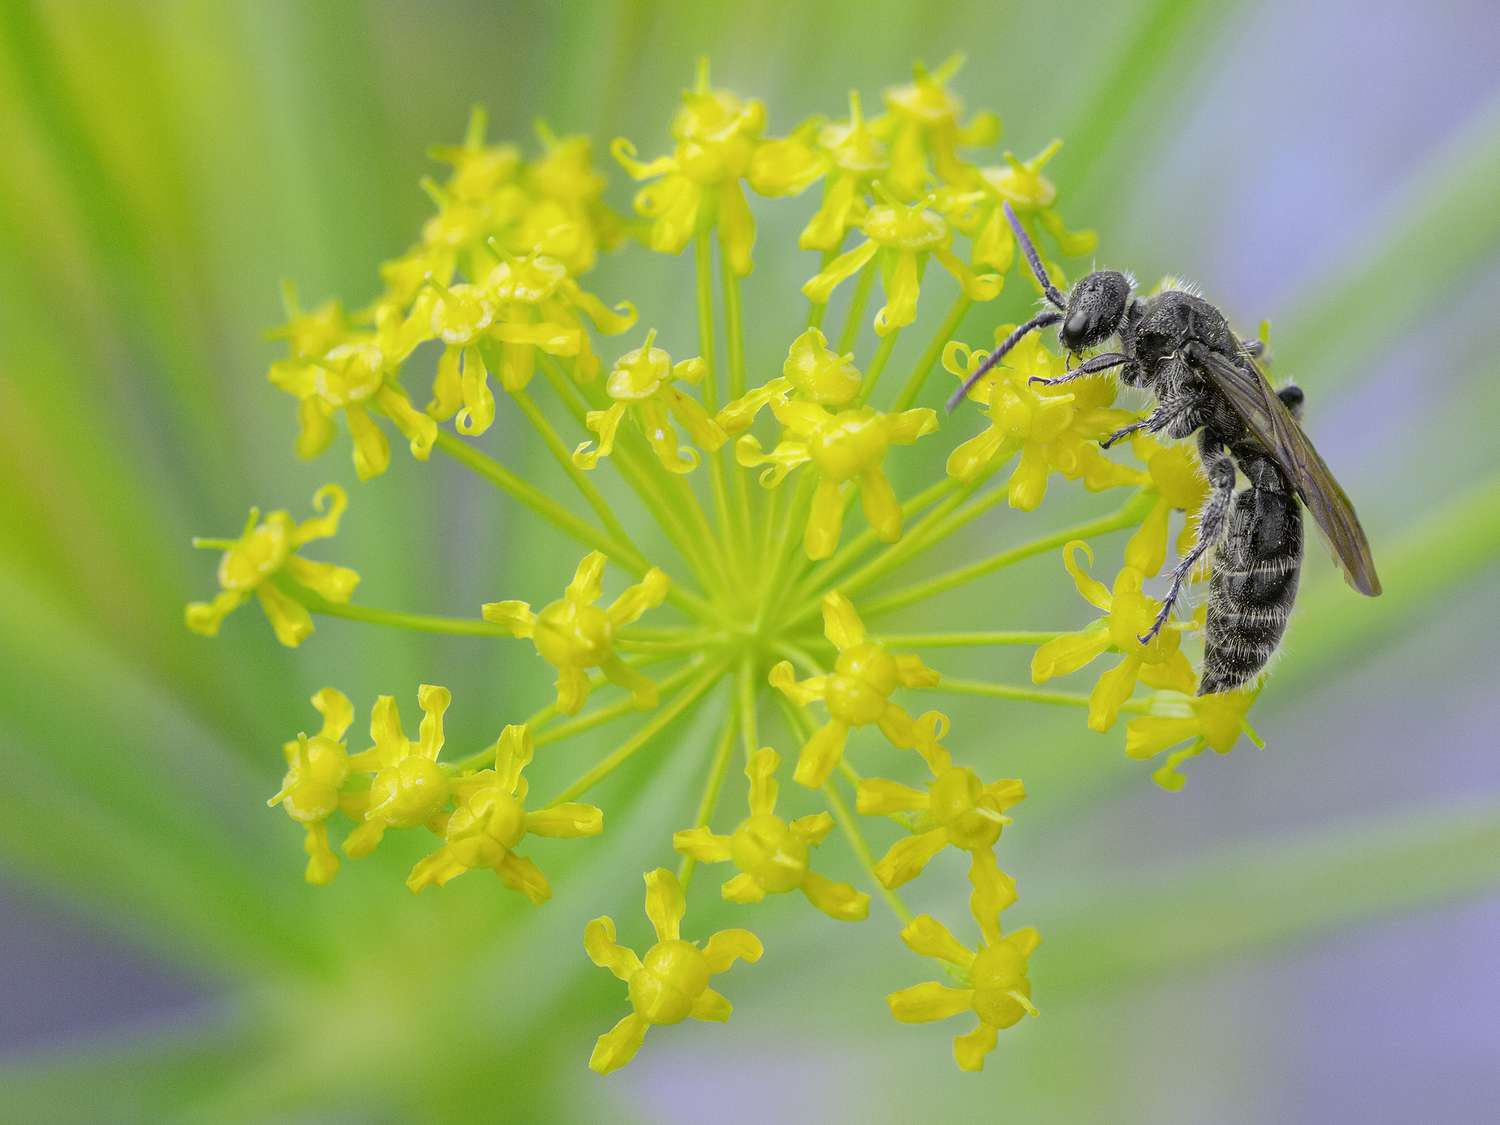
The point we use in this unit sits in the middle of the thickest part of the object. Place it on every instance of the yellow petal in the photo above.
(568, 821)
(646, 594)
(599, 942)
(1149, 735)
(314, 428)
(923, 1003)
(337, 712)
(761, 770)
(1147, 549)
(289, 618)
(878, 797)
(837, 900)
(322, 864)
(924, 934)
(514, 615)
(736, 227)
(784, 680)
(821, 754)
(434, 701)
(665, 904)
(711, 1005)
(881, 508)
(813, 828)
(618, 1045)
(520, 874)
(728, 946)
(204, 618)
(605, 423)
(1111, 692)
(1091, 589)
(909, 857)
(841, 624)
(820, 287)
(335, 583)
(696, 421)
(901, 289)
(744, 889)
(372, 454)
(970, 1048)
(1069, 652)
(419, 430)
(702, 844)
(825, 520)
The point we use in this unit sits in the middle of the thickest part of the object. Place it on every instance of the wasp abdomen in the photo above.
(1254, 579)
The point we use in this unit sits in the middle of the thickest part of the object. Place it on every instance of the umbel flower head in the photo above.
(494, 288)
(263, 562)
(670, 983)
(772, 854)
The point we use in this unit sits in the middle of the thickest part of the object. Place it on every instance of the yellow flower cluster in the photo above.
(480, 815)
(726, 582)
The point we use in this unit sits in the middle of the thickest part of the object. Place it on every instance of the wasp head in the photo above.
(1096, 308)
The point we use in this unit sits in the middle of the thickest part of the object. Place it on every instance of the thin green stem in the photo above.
(855, 316)
(703, 253)
(622, 754)
(416, 622)
(878, 364)
(745, 700)
(734, 334)
(947, 686)
(564, 457)
(822, 578)
(815, 310)
(648, 482)
(934, 352)
(539, 502)
(612, 711)
(710, 799)
(964, 640)
(1130, 514)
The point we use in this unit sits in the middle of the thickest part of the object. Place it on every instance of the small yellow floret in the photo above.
(1128, 614)
(641, 383)
(670, 984)
(490, 820)
(263, 558)
(924, 130)
(409, 787)
(995, 986)
(573, 634)
(857, 693)
(772, 854)
(317, 768)
(1052, 430)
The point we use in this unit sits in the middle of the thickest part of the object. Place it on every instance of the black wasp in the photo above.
(1180, 348)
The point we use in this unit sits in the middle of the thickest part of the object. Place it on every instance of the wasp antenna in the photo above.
(1034, 259)
(1041, 320)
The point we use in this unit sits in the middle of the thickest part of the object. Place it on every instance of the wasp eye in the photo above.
(1077, 326)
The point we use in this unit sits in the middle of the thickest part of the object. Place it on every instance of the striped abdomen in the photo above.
(1254, 579)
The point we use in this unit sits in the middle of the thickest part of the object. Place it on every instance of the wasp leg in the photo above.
(1143, 424)
(1211, 525)
(1088, 367)
(1253, 348)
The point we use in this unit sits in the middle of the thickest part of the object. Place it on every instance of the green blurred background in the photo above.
(1303, 934)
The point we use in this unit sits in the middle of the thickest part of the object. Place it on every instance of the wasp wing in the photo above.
(1273, 426)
